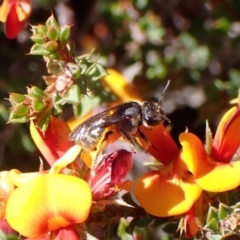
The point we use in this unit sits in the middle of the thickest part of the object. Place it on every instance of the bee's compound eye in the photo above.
(153, 115)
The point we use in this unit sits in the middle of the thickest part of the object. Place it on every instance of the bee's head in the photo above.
(153, 115)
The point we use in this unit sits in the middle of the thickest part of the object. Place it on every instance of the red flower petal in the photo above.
(54, 143)
(110, 173)
(19, 10)
(227, 138)
(162, 147)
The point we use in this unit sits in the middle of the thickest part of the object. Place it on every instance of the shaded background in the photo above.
(193, 43)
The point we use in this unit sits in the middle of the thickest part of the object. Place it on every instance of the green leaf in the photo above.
(41, 29)
(224, 211)
(64, 34)
(13, 118)
(37, 39)
(52, 23)
(87, 103)
(122, 230)
(212, 225)
(212, 213)
(20, 110)
(43, 121)
(38, 105)
(16, 98)
(73, 95)
(38, 49)
(52, 34)
(36, 92)
(91, 69)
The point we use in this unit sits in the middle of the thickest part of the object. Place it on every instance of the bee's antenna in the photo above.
(164, 90)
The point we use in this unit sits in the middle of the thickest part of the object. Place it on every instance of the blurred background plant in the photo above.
(193, 43)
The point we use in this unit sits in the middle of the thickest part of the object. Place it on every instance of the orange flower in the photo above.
(170, 190)
(14, 14)
(215, 172)
(51, 202)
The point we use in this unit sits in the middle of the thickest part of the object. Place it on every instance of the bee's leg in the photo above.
(129, 138)
(146, 143)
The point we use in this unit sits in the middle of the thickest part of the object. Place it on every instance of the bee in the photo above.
(123, 120)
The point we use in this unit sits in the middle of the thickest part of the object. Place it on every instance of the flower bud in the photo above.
(52, 34)
(51, 46)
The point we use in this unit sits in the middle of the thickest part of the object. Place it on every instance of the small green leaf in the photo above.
(38, 105)
(35, 30)
(212, 213)
(16, 98)
(54, 55)
(122, 230)
(73, 95)
(37, 39)
(43, 121)
(64, 34)
(52, 34)
(42, 29)
(20, 110)
(212, 225)
(35, 92)
(224, 211)
(38, 49)
(18, 119)
(52, 23)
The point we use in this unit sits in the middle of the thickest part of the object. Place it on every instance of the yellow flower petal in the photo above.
(18, 178)
(165, 196)
(120, 86)
(66, 159)
(210, 175)
(48, 203)
(216, 177)
(193, 153)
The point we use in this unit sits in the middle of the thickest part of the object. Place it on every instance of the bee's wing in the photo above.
(99, 121)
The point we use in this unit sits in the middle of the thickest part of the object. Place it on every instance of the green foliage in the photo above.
(222, 222)
(70, 78)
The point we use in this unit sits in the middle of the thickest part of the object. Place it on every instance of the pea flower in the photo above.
(169, 190)
(52, 202)
(215, 169)
(14, 14)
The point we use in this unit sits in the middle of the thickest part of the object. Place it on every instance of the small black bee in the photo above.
(122, 120)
